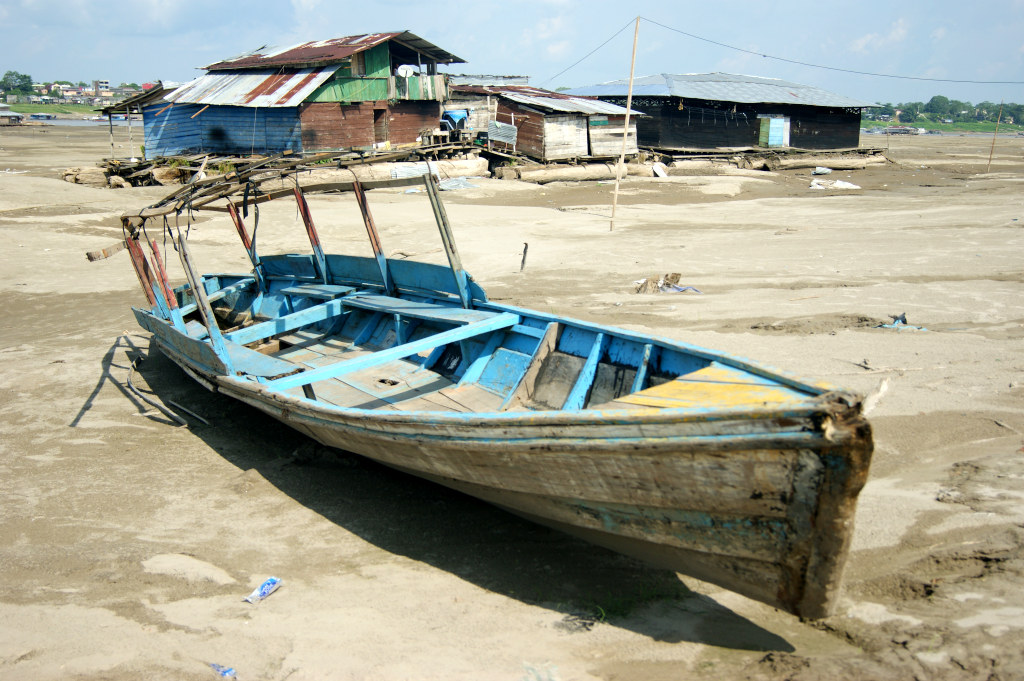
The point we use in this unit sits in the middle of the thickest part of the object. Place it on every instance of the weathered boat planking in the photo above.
(696, 461)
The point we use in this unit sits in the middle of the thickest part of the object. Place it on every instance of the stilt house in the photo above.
(712, 110)
(542, 124)
(378, 90)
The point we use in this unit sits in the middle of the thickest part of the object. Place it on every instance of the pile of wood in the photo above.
(700, 162)
(183, 170)
(256, 181)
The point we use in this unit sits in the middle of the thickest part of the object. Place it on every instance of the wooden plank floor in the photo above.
(401, 385)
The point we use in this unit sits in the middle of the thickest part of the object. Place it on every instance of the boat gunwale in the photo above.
(816, 390)
(551, 417)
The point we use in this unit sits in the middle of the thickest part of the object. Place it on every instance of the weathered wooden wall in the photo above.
(340, 126)
(606, 135)
(409, 119)
(328, 125)
(482, 110)
(240, 130)
(170, 130)
(814, 127)
(564, 136)
(545, 137)
(672, 123)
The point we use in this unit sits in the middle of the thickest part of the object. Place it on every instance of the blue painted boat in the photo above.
(697, 461)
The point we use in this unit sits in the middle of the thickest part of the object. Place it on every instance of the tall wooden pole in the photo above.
(625, 132)
(994, 133)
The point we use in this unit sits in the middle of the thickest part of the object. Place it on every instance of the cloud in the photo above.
(544, 29)
(558, 50)
(938, 34)
(873, 41)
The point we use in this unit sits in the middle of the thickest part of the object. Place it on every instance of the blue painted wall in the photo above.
(220, 130)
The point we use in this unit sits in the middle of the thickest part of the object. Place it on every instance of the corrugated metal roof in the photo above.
(136, 102)
(485, 79)
(722, 87)
(264, 88)
(546, 99)
(570, 104)
(332, 51)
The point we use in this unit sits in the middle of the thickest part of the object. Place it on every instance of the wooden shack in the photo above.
(715, 110)
(549, 126)
(377, 90)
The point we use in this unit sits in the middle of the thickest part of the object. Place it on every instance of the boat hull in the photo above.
(757, 502)
(700, 462)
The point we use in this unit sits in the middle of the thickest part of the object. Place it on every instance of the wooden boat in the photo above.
(700, 462)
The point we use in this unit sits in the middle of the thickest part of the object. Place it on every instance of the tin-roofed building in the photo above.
(545, 125)
(712, 110)
(380, 89)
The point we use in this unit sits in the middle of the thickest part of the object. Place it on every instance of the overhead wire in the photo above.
(790, 61)
(833, 68)
(586, 56)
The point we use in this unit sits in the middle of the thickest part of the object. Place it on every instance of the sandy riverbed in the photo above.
(127, 543)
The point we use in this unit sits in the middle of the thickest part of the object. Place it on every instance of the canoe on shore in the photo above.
(696, 461)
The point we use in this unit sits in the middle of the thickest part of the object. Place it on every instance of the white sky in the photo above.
(146, 40)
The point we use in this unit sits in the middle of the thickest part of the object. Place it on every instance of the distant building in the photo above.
(484, 80)
(542, 124)
(8, 117)
(715, 110)
(376, 90)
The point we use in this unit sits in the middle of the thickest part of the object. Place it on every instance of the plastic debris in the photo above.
(414, 169)
(899, 322)
(668, 283)
(833, 184)
(263, 590)
(447, 185)
(821, 170)
(223, 672)
(453, 183)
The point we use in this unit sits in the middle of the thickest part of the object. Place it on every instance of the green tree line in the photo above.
(939, 109)
(21, 83)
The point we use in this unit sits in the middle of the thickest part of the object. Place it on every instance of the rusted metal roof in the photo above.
(570, 104)
(135, 103)
(332, 51)
(723, 87)
(546, 99)
(255, 88)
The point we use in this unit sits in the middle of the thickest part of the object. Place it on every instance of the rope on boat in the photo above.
(153, 403)
(189, 412)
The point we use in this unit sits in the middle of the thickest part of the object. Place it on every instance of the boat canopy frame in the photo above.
(156, 285)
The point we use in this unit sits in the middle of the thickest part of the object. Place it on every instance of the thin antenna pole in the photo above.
(625, 132)
(994, 133)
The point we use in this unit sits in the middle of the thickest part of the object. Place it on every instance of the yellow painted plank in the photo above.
(713, 387)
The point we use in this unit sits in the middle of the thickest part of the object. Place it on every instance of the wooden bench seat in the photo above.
(410, 308)
(320, 291)
(240, 285)
(252, 363)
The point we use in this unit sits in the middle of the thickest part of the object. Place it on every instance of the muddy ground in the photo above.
(127, 542)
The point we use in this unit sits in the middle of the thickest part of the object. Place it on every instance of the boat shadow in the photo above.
(451, 531)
